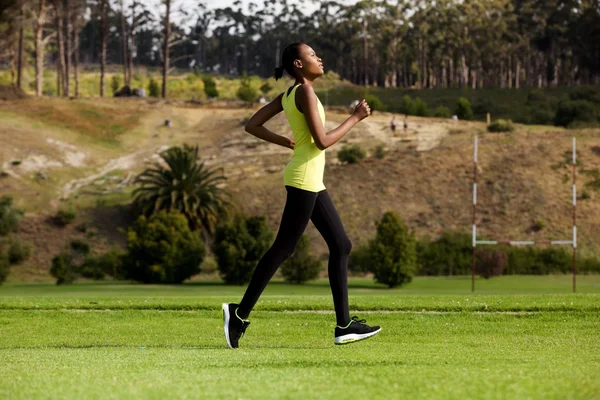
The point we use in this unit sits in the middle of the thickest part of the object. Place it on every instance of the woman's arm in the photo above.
(307, 100)
(255, 124)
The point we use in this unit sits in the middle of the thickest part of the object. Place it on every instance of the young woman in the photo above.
(307, 198)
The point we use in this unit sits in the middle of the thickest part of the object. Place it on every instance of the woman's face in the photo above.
(312, 65)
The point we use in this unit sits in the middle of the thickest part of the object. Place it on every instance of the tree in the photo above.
(104, 5)
(184, 185)
(393, 252)
(301, 266)
(166, 39)
(240, 242)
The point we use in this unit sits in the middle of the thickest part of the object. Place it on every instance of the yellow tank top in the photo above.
(305, 169)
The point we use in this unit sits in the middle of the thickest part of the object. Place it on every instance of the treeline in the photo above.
(424, 44)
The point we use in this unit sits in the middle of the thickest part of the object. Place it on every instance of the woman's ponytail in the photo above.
(278, 73)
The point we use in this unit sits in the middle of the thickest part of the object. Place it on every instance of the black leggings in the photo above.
(300, 206)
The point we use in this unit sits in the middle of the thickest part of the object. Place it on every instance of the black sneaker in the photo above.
(234, 326)
(355, 331)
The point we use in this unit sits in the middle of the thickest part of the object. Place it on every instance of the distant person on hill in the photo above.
(405, 122)
(393, 124)
(307, 198)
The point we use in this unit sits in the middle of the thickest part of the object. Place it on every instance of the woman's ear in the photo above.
(298, 63)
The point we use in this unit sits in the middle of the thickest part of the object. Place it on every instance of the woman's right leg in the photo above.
(296, 214)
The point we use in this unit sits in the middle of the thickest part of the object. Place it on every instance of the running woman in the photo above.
(307, 198)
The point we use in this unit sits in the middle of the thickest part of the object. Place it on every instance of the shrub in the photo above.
(491, 262)
(501, 125)
(63, 268)
(407, 106)
(301, 266)
(375, 103)
(80, 247)
(591, 94)
(162, 249)
(18, 252)
(351, 154)
(153, 89)
(441, 112)
(9, 216)
(64, 216)
(266, 88)
(109, 263)
(393, 251)
(379, 152)
(360, 260)
(210, 86)
(240, 242)
(4, 266)
(245, 91)
(115, 82)
(463, 109)
(450, 254)
(420, 108)
(576, 113)
(585, 265)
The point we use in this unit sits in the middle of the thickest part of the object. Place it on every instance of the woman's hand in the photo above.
(362, 110)
(292, 143)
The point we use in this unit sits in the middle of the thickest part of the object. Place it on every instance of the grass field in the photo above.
(518, 337)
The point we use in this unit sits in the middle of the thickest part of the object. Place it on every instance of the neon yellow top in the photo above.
(305, 169)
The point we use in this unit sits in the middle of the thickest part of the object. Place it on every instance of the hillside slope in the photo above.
(86, 152)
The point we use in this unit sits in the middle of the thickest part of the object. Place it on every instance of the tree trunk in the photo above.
(39, 47)
(60, 42)
(166, 48)
(68, 50)
(103, 38)
(124, 45)
(518, 74)
(20, 53)
(76, 59)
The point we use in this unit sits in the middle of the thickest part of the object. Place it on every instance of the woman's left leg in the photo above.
(328, 223)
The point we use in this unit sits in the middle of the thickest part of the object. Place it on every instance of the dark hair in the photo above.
(290, 53)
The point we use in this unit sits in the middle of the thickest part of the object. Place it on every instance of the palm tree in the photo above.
(184, 185)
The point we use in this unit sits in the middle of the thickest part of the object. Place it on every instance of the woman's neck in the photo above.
(304, 81)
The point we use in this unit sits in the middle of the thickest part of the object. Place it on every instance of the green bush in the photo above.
(153, 88)
(407, 106)
(420, 108)
(4, 266)
(108, 263)
(240, 242)
(576, 113)
(585, 265)
(491, 262)
(64, 216)
(379, 152)
(441, 112)
(18, 252)
(266, 88)
(463, 109)
(450, 254)
(9, 216)
(360, 260)
(301, 266)
(591, 94)
(163, 249)
(245, 91)
(351, 154)
(501, 125)
(64, 268)
(375, 103)
(210, 86)
(393, 252)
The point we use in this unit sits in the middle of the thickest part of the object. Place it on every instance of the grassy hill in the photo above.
(84, 153)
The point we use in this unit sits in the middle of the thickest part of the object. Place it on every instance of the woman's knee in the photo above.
(343, 245)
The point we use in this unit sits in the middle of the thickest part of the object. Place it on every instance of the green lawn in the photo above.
(518, 337)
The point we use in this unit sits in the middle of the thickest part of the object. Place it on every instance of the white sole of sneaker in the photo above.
(355, 337)
(226, 316)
